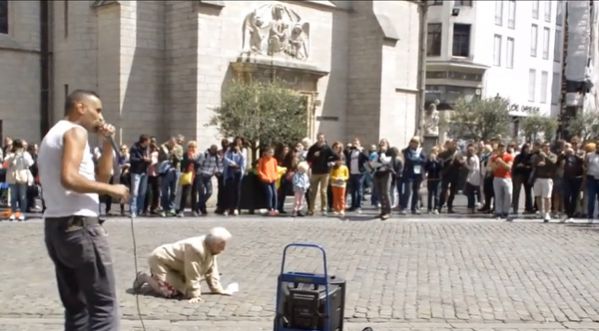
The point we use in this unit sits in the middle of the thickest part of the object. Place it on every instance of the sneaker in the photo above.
(325, 213)
(342, 214)
(181, 214)
(570, 220)
(384, 217)
(403, 212)
(134, 215)
(195, 214)
(171, 213)
(236, 212)
(359, 210)
(310, 213)
(436, 212)
(294, 213)
(336, 213)
(138, 283)
(12, 217)
(300, 214)
(162, 214)
(272, 213)
(590, 221)
(225, 213)
(547, 218)
(21, 217)
(416, 212)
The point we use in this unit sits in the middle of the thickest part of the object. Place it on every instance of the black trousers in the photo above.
(78, 246)
(449, 187)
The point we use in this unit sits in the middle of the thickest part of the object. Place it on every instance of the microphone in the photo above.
(115, 147)
(110, 138)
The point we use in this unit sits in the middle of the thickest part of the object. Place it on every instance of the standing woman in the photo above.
(235, 161)
(19, 177)
(382, 178)
(290, 162)
(153, 195)
(187, 177)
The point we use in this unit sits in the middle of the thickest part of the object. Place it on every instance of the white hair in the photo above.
(218, 234)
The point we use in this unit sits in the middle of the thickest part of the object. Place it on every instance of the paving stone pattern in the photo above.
(402, 274)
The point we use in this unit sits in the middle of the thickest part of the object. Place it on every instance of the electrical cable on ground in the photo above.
(143, 327)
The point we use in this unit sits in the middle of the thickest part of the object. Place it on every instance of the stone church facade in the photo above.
(161, 67)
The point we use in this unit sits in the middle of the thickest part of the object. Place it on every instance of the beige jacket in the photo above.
(191, 259)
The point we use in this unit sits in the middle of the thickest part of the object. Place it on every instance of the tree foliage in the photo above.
(480, 119)
(584, 125)
(536, 125)
(262, 113)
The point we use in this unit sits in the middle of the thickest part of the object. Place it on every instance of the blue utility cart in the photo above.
(308, 301)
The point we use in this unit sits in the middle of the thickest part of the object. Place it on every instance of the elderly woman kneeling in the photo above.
(177, 268)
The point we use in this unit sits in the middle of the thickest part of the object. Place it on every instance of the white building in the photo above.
(487, 48)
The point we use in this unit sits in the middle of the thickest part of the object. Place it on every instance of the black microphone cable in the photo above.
(115, 147)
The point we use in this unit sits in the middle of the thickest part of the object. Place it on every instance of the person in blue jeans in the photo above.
(208, 165)
(592, 181)
(139, 158)
(235, 162)
(413, 171)
(356, 163)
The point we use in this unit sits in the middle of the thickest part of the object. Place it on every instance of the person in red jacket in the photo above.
(267, 173)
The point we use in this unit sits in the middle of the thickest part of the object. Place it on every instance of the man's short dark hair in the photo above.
(75, 97)
(143, 138)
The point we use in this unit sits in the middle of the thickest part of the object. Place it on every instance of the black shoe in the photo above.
(282, 212)
(300, 214)
(450, 211)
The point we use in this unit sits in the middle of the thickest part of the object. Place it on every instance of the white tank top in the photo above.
(61, 202)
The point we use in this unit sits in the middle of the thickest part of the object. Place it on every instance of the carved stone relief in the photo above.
(275, 30)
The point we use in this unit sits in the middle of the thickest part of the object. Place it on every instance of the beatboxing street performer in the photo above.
(76, 241)
(177, 268)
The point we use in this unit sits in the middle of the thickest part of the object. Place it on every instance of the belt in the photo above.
(76, 220)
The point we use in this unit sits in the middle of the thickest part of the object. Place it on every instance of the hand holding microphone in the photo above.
(106, 132)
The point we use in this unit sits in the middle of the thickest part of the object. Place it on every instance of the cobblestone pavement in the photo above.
(402, 274)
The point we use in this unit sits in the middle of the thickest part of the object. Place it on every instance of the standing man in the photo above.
(452, 163)
(320, 157)
(501, 165)
(544, 165)
(139, 157)
(413, 172)
(208, 165)
(356, 161)
(76, 241)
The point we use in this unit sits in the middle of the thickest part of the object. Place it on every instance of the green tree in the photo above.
(480, 118)
(536, 124)
(262, 113)
(584, 125)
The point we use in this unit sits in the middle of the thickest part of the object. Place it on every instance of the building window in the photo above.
(535, 9)
(497, 50)
(545, 43)
(509, 53)
(555, 89)
(544, 78)
(463, 3)
(533, 40)
(433, 41)
(511, 14)
(461, 40)
(437, 2)
(531, 84)
(557, 46)
(559, 18)
(4, 16)
(498, 13)
(547, 11)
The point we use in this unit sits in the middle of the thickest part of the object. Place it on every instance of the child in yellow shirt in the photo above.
(339, 176)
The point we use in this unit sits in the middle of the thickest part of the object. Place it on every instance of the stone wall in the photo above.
(365, 65)
(20, 72)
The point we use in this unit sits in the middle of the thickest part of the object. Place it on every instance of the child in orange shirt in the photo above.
(268, 174)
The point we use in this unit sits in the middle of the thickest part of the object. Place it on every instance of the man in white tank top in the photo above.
(76, 241)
